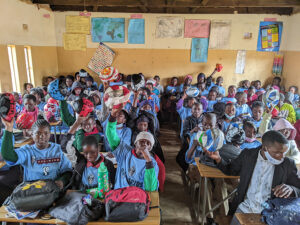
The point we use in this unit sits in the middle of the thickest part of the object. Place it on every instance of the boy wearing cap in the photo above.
(136, 167)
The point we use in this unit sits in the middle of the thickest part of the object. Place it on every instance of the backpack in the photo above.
(127, 204)
(33, 195)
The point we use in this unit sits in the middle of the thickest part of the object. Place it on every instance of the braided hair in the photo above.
(40, 122)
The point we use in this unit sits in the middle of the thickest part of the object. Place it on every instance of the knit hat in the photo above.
(146, 136)
(116, 95)
(284, 124)
(108, 73)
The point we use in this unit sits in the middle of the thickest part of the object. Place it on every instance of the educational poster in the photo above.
(75, 42)
(277, 64)
(103, 57)
(136, 31)
(199, 50)
(108, 30)
(169, 27)
(240, 62)
(196, 28)
(78, 24)
(269, 36)
(220, 34)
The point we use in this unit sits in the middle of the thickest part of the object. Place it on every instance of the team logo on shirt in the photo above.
(131, 171)
(91, 179)
(32, 160)
(46, 170)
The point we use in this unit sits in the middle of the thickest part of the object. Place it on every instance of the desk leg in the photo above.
(55, 135)
(199, 198)
(204, 201)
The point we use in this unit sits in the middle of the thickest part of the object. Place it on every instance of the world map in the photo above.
(108, 30)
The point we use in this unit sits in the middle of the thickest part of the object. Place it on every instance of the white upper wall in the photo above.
(15, 13)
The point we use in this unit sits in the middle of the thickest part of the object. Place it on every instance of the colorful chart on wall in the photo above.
(196, 28)
(169, 27)
(220, 34)
(269, 36)
(199, 50)
(108, 30)
(136, 31)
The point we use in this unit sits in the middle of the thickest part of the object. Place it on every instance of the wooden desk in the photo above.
(249, 218)
(209, 172)
(152, 219)
(28, 141)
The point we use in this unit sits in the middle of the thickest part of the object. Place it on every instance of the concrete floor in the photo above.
(175, 201)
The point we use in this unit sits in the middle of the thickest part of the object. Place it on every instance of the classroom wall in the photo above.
(40, 35)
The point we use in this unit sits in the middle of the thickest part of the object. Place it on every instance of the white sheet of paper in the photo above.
(240, 62)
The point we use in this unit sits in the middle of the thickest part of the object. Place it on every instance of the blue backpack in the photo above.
(282, 211)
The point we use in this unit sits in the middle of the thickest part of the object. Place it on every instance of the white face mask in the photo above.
(229, 117)
(272, 160)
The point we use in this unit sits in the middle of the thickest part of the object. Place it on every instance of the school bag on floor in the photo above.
(33, 195)
(77, 208)
(282, 211)
(128, 204)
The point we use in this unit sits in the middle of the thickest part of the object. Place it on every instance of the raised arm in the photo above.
(7, 148)
(66, 116)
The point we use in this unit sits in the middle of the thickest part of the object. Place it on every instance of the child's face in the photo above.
(247, 83)
(292, 90)
(201, 80)
(142, 145)
(286, 132)
(196, 111)
(49, 80)
(96, 99)
(251, 92)
(174, 81)
(201, 86)
(88, 125)
(157, 80)
(275, 82)
(121, 118)
(90, 152)
(29, 105)
(77, 78)
(142, 126)
(77, 91)
(208, 123)
(89, 83)
(212, 96)
(257, 85)
(250, 132)
(149, 86)
(220, 82)
(38, 98)
(28, 87)
(17, 97)
(230, 110)
(232, 91)
(257, 113)
(146, 107)
(41, 137)
(69, 82)
(191, 102)
(242, 99)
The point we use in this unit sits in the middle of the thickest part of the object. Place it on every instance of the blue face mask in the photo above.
(229, 117)
(119, 126)
(272, 160)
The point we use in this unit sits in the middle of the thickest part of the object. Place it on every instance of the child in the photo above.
(89, 85)
(136, 167)
(242, 109)
(294, 90)
(219, 84)
(77, 91)
(231, 95)
(187, 82)
(42, 160)
(244, 87)
(286, 110)
(276, 83)
(158, 86)
(202, 89)
(30, 106)
(228, 117)
(69, 82)
(257, 85)
(173, 88)
(152, 95)
(39, 96)
(264, 173)
(257, 113)
(200, 78)
(250, 132)
(251, 96)
(27, 88)
(86, 169)
(19, 105)
(211, 100)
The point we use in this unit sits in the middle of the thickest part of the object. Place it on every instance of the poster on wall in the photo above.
(199, 50)
(75, 42)
(136, 31)
(220, 34)
(108, 30)
(78, 24)
(269, 36)
(102, 58)
(196, 28)
(169, 27)
(240, 62)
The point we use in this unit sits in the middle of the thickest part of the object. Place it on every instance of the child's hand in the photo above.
(283, 191)
(146, 155)
(59, 184)
(213, 155)
(81, 119)
(8, 125)
(195, 129)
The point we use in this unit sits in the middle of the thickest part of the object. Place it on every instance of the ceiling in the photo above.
(281, 7)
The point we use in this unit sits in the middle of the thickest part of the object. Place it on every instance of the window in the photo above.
(13, 68)
(29, 68)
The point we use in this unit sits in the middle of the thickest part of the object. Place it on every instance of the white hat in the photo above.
(145, 135)
(151, 81)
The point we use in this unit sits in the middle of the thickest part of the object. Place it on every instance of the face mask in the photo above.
(272, 160)
(119, 126)
(229, 117)
(250, 139)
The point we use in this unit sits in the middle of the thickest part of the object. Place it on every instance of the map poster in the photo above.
(108, 30)
(169, 27)
(269, 36)
(199, 50)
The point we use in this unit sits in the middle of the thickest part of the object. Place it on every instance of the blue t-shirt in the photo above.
(131, 170)
(221, 90)
(204, 93)
(251, 145)
(90, 177)
(184, 112)
(242, 89)
(226, 99)
(241, 109)
(41, 106)
(210, 105)
(197, 152)
(38, 164)
(172, 89)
